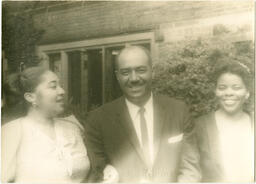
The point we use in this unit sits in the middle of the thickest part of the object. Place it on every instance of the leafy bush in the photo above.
(185, 71)
(20, 38)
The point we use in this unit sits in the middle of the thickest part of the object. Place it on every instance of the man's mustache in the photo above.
(135, 84)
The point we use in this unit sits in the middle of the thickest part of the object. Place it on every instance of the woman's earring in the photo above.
(34, 104)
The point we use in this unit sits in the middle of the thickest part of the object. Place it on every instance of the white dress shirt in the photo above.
(135, 116)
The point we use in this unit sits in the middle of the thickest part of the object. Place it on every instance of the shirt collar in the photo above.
(134, 109)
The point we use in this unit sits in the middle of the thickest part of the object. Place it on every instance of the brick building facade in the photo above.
(82, 39)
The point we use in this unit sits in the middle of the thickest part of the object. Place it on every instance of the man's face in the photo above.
(134, 74)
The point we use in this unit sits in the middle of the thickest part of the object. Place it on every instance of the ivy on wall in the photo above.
(19, 39)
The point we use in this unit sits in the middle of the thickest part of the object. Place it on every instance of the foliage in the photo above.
(185, 72)
(19, 39)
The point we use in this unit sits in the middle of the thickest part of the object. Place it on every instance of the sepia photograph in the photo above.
(126, 91)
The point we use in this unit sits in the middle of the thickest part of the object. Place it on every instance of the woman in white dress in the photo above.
(40, 147)
(221, 147)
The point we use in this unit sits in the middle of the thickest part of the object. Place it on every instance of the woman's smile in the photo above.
(231, 92)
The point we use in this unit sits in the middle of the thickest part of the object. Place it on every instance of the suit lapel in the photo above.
(159, 119)
(125, 120)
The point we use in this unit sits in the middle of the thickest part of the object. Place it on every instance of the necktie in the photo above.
(144, 134)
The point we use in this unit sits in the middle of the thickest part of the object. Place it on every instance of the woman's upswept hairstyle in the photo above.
(18, 84)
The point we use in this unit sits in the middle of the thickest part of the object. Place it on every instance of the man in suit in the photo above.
(140, 134)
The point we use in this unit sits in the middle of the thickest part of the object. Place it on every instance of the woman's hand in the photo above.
(110, 175)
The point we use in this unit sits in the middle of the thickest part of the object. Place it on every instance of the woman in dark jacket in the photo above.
(220, 148)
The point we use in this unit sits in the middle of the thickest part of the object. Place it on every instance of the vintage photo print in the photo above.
(128, 91)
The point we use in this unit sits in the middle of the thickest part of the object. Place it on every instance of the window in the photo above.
(55, 63)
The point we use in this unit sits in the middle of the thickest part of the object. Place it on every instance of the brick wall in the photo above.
(84, 20)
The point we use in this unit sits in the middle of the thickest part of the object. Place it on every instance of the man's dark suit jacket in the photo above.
(111, 139)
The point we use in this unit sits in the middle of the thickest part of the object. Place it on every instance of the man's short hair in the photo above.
(145, 50)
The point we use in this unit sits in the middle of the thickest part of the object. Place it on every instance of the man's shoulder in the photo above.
(204, 120)
(205, 117)
(169, 101)
(109, 107)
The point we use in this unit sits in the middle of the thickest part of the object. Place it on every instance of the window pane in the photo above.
(55, 63)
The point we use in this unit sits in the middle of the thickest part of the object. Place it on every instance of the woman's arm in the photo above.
(10, 140)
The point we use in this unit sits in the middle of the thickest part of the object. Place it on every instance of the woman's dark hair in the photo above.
(18, 84)
(237, 68)
(241, 70)
(30, 78)
(11, 92)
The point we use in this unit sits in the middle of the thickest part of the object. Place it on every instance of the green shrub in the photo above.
(185, 71)
(20, 38)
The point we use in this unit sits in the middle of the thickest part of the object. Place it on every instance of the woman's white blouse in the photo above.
(38, 158)
(237, 150)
